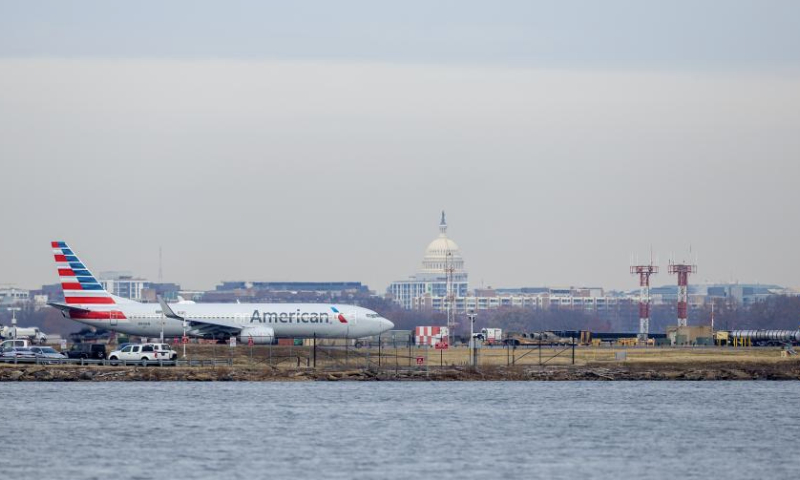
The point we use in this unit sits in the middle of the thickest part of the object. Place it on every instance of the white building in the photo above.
(13, 296)
(588, 299)
(123, 284)
(442, 258)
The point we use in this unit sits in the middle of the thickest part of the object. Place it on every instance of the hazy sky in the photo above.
(320, 140)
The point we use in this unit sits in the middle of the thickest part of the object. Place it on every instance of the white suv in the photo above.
(145, 352)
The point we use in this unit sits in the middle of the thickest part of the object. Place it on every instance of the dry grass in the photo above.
(328, 357)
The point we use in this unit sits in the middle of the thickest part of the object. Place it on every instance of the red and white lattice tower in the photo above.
(682, 270)
(644, 272)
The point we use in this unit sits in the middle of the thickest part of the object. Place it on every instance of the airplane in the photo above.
(86, 301)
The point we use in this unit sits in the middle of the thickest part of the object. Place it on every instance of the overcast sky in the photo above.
(320, 140)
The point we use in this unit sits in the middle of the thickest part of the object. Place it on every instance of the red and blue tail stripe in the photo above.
(79, 285)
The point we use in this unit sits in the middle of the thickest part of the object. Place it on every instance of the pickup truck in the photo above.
(144, 353)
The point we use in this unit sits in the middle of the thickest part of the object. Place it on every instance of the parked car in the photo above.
(14, 343)
(87, 350)
(19, 353)
(47, 353)
(145, 352)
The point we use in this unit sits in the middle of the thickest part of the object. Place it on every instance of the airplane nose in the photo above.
(387, 324)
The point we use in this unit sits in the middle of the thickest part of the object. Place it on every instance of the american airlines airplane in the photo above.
(87, 302)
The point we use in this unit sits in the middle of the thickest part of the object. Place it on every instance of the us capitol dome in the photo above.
(442, 253)
(442, 256)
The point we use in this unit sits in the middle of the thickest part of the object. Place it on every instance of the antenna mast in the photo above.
(682, 270)
(644, 272)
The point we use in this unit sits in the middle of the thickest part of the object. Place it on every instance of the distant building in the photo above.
(53, 292)
(328, 287)
(167, 291)
(588, 299)
(701, 294)
(123, 284)
(281, 292)
(13, 296)
(442, 256)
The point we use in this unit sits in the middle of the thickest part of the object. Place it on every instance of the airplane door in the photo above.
(113, 319)
(352, 324)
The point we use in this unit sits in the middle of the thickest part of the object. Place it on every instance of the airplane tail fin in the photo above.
(80, 287)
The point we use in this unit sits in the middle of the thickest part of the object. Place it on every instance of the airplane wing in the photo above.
(67, 308)
(202, 327)
(212, 328)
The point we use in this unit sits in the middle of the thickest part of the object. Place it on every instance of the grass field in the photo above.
(339, 357)
(284, 363)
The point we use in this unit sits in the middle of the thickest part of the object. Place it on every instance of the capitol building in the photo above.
(442, 257)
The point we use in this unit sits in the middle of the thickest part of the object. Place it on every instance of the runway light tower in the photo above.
(450, 296)
(644, 272)
(450, 287)
(682, 270)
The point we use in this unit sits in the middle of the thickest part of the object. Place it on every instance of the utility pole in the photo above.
(450, 296)
(473, 350)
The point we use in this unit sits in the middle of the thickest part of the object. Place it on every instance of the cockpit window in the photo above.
(373, 315)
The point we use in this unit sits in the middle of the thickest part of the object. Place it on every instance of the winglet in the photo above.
(167, 311)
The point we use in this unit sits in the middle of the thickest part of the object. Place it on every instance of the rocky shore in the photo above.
(604, 372)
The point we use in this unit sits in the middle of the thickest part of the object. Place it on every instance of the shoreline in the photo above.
(710, 371)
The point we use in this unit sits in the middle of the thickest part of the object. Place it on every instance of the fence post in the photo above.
(573, 350)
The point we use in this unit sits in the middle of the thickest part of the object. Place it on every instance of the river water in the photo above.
(443, 430)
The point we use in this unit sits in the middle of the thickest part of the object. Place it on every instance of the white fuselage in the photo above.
(288, 320)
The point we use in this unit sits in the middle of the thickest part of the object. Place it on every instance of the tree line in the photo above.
(777, 312)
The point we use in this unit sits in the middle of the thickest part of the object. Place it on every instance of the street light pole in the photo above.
(14, 311)
(473, 351)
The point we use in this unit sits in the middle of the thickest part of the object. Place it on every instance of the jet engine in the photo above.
(261, 335)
